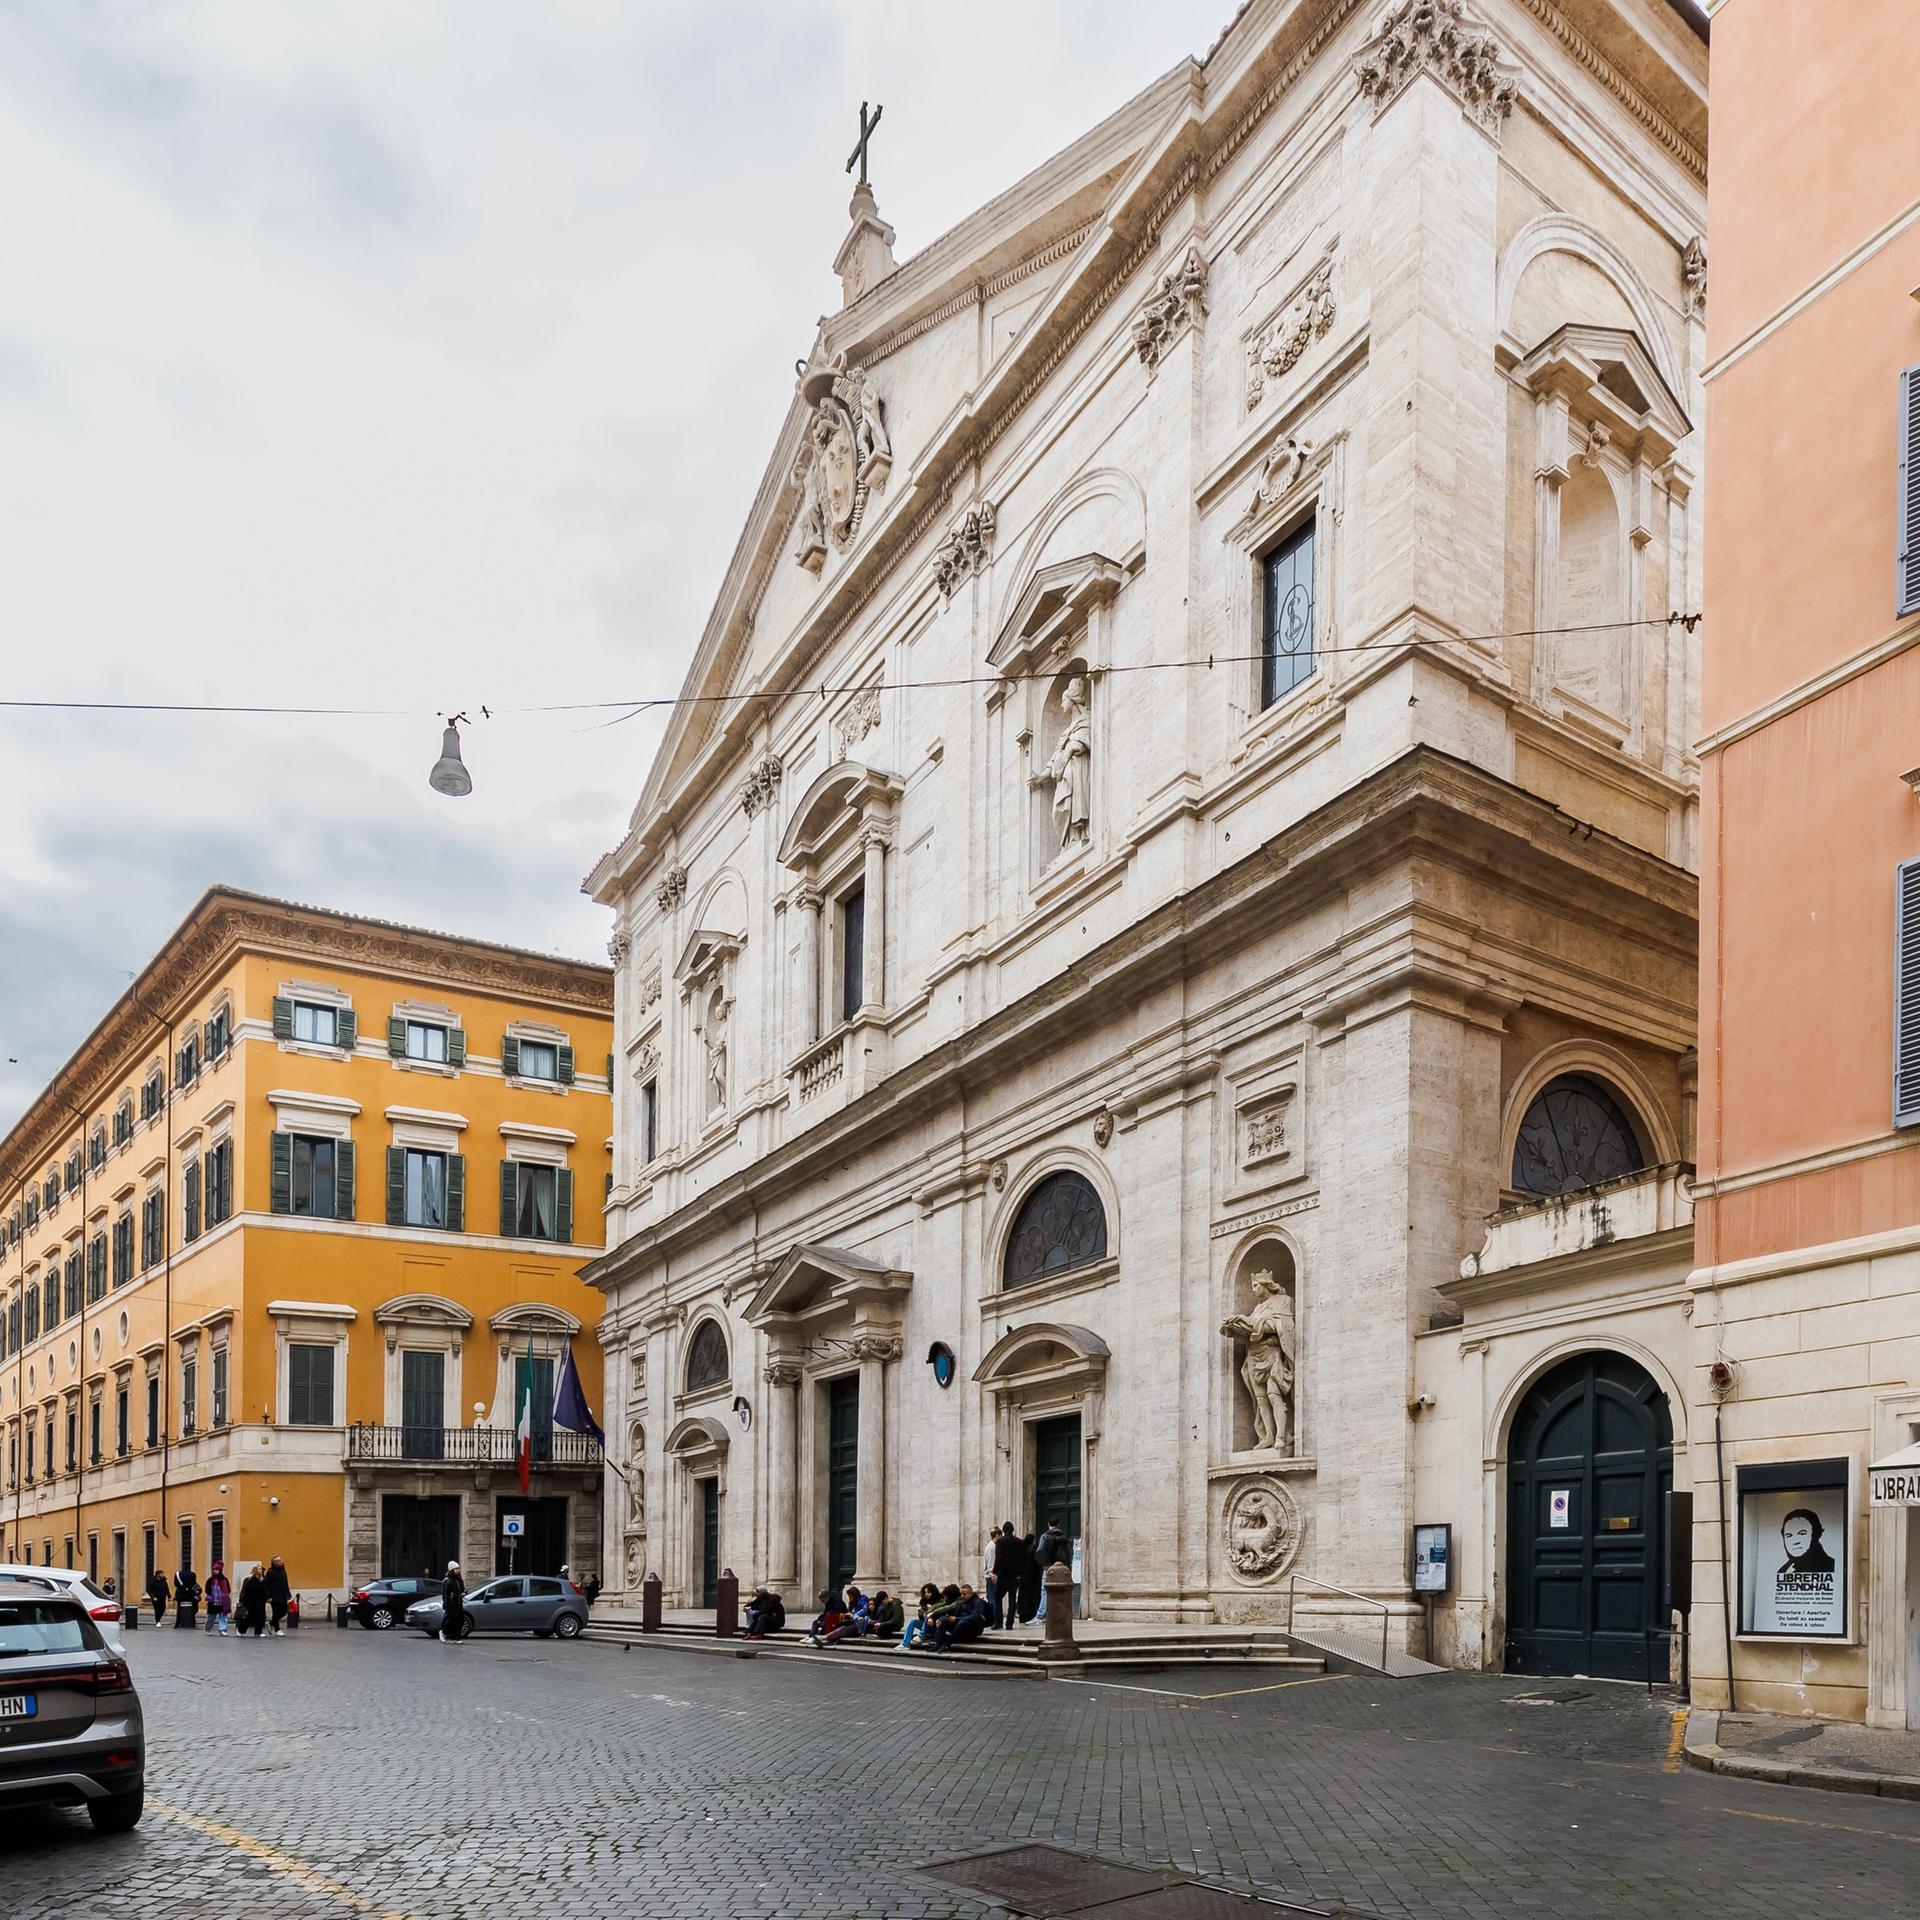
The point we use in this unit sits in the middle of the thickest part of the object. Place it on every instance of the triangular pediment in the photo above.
(815, 1276)
(1057, 596)
(1609, 370)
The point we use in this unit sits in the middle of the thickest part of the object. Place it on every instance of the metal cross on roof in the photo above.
(859, 152)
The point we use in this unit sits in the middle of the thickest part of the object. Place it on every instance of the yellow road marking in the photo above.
(1676, 1740)
(297, 1871)
(1825, 1826)
(1232, 1693)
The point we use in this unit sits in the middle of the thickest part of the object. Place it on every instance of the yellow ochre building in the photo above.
(281, 1243)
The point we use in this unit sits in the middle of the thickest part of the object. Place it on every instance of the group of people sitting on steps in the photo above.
(1015, 1570)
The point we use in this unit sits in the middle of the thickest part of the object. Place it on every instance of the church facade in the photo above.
(1183, 814)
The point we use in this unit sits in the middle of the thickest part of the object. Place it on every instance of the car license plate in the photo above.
(19, 1706)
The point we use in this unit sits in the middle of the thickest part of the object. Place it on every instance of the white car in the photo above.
(103, 1607)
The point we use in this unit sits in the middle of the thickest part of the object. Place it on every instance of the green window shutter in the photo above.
(280, 1175)
(190, 1228)
(397, 1038)
(509, 1196)
(563, 1203)
(566, 1066)
(510, 1055)
(609, 1069)
(456, 1047)
(347, 1028)
(282, 1018)
(456, 1193)
(396, 1186)
(343, 1179)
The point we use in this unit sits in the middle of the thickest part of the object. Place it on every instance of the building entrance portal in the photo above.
(1056, 1474)
(1590, 1462)
(843, 1479)
(418, 1536)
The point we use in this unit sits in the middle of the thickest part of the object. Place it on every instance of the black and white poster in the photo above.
(1793, 1561)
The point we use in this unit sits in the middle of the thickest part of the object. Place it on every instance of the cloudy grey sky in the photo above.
(419, 354)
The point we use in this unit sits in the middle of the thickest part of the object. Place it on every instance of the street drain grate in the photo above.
(1563, 1697)
(1045, 1880)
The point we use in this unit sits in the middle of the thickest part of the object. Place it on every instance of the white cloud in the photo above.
(419, 356)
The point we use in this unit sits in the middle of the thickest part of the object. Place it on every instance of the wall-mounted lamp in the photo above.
(1912, 778)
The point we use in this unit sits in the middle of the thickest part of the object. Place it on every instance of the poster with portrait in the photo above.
(1793, 1550)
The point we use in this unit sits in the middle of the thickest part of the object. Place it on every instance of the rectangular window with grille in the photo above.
(853, 952)
(1286, 615)
(216, 1538)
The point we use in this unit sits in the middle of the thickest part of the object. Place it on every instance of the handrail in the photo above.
(1345, 1593)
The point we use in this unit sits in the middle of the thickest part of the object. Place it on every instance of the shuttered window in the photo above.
(309, 1385)
(1907, 582)
(1906, 994)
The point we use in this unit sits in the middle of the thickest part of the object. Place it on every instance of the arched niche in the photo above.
(709, 1362)
(1261, 1356)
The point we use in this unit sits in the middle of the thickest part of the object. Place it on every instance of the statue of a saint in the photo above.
(1071, 766)
(1268, 1367)
(713, 1039)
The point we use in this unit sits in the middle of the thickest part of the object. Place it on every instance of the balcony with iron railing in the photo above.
(412, 1446)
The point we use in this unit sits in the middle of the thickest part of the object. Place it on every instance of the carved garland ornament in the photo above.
(1437, 37)
(846, 459)
(763, 780)
(672, 890)
(1260, 1528)
(859, 718)
(1176, 304)
(1277, 346)
(1693, 276)
(966, 549)
(650, 988)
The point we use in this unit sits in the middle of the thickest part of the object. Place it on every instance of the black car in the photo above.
(383, 1603)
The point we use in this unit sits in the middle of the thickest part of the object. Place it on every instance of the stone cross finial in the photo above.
(859, 152)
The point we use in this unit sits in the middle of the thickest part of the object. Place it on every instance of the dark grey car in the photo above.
(513, 1603)
(71, 1730)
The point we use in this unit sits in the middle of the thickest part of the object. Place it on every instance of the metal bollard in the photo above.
(726, 1605)
(650, 1604)
(130, 1618)
(1057, 1643)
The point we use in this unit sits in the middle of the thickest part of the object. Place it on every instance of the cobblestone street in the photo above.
(340, 1773)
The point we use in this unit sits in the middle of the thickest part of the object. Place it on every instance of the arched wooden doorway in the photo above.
(1589, 1468)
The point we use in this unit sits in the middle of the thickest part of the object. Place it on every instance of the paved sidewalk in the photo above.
(1832, 1754)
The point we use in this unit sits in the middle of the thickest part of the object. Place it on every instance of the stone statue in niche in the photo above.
(1069, 771)
(713, 1039)
(1267, 1369)
(636, 1499)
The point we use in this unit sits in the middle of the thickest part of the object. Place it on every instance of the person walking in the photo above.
(157, 1594)
(453, 1605)
(219, 1597)
(186, 1598)
(278, 1594)
(251, 1614)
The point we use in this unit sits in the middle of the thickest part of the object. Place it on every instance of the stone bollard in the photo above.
(1057, 1641)
(650, 1604)
(726, 1605)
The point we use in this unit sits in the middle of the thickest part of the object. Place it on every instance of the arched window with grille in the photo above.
(1061, 1225)
(1574, 1134)
(707, 1362)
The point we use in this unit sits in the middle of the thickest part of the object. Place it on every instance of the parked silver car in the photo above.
(515, 1603)
(71, 1729)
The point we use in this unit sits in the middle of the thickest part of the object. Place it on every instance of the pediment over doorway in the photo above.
(1043, 1350)
(812, 1277)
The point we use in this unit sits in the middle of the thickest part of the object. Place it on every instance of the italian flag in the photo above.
(526, 1422)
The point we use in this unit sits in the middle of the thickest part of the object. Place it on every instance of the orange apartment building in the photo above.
(1806, 1293)
(282, 1242)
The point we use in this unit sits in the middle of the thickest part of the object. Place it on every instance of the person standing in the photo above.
(186, 1598)
(990, 1576)
(278, 1593)
(219, 1597)
(1030, 1577)
(251, 1615)
(157, 1594)
(1012, 1562)
(453, 1605)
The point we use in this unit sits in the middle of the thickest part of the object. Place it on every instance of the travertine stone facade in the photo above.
(1060, 876)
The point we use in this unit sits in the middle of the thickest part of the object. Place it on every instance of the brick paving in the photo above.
(339, 1773)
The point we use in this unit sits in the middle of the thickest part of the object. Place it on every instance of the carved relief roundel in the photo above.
(1260, 1529)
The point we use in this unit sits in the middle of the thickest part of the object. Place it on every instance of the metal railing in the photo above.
(1360, 1599)
(468, 1446)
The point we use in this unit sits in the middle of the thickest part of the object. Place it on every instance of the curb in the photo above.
(732, 1649)
(1704, 1751)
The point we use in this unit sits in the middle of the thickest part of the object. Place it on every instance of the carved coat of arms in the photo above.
(845, 461)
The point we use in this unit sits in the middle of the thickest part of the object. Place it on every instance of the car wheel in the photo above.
(380, 1618)
(118, 1812)
(466, 1626)
(567, 1626)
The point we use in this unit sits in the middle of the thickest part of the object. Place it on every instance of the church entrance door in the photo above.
(709, 1511)
(1056, 1474)
(843, 1478)
(1589, 1466)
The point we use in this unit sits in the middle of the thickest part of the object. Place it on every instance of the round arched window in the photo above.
(1061, 1224)
(1574, 1134)
(707, 1364)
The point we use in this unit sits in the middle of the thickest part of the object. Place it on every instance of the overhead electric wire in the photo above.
(652, 703)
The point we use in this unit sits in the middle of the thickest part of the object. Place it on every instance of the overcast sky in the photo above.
(392, 353)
